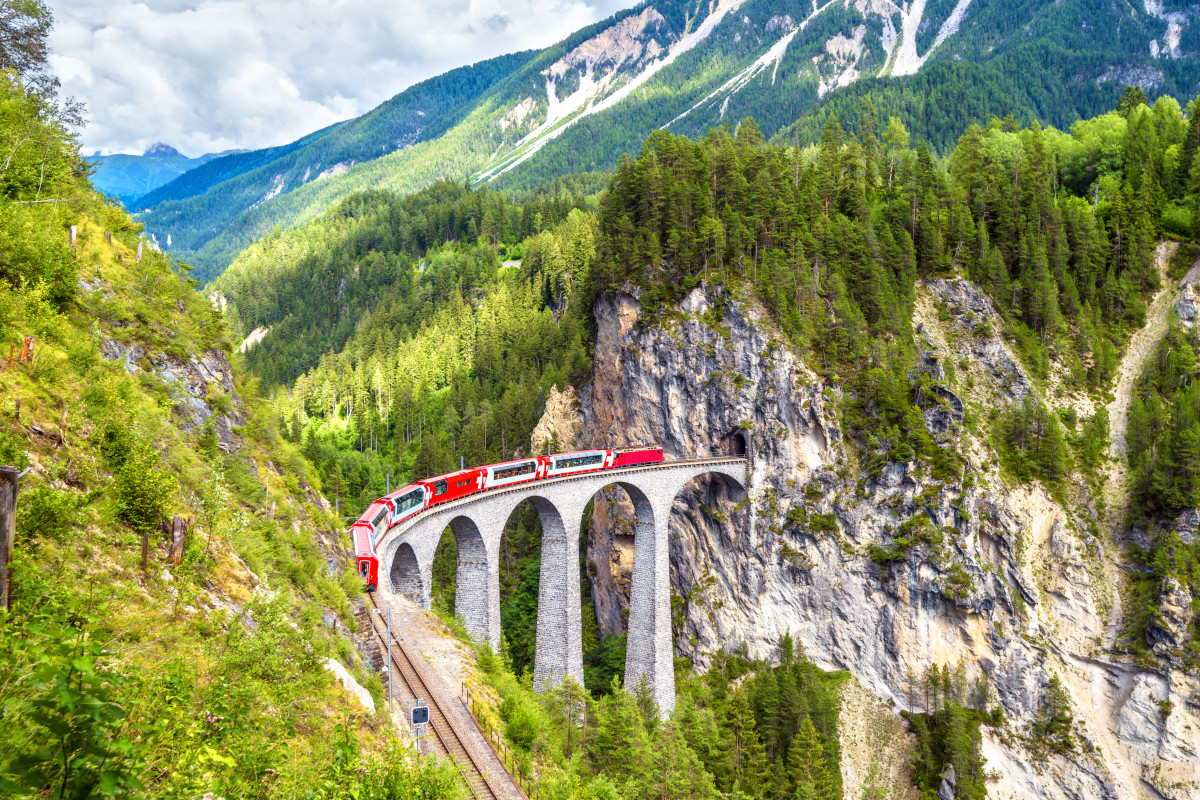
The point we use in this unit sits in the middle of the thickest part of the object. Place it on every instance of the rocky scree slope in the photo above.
(1002, 578)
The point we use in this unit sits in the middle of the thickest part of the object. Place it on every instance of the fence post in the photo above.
(74, 232)
(9, 480)
(178, 538)
(139, 254)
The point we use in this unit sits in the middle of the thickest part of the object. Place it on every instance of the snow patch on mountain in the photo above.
(771, 58)
(607, 51)
(902, 58)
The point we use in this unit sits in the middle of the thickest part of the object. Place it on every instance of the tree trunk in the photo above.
(178, 539)
(9, 480)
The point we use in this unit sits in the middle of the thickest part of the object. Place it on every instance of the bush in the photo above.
(46, 514)
(12, 451)
(142, 488)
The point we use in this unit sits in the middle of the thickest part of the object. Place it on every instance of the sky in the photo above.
(211, 75)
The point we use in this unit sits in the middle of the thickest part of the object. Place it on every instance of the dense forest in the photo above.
(745, 730)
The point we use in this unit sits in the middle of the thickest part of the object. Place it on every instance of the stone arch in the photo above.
(472, 580)
(405, 576)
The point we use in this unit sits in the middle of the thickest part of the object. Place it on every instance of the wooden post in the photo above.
(271, 513)
(9, 479)
(74, 231)
(178, 539)
(27, 349)
(139, 255)
(108, 237)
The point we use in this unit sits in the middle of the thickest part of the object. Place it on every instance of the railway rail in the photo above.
(482, 783)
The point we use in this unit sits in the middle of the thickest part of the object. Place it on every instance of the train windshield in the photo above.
(515, 470)
(379, 518)
(577, 461)
(406, 502)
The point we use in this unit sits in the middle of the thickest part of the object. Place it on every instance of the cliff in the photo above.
(883, 575)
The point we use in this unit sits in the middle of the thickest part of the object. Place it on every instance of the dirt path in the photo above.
(1141, 347)
(1116, 486)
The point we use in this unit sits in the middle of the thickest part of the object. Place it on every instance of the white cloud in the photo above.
(211, 75)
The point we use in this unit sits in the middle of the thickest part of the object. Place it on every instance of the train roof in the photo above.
(449, 475)
(512, 463)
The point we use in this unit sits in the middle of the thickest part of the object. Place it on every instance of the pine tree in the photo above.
(807, 767)
(744, 762)
(676, 772)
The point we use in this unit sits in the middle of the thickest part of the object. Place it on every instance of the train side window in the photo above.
(440, 488)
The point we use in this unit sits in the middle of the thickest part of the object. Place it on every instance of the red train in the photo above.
(415, 498)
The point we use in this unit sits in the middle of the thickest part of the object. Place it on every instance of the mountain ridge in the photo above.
(684, 66)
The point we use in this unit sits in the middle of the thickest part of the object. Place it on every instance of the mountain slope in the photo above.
(687, 66)
(196, 206)
(128, 177)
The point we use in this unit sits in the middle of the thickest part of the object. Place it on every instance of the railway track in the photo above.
(449, 741)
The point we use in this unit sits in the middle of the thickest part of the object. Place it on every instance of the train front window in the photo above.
(363, 568)
(408, 501)
(440, 488)
(515, 471)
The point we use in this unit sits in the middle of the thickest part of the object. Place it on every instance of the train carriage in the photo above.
(510, 473)
(562, 464)
(445, 488)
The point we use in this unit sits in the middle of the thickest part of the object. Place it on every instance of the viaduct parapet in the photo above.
(406, 558)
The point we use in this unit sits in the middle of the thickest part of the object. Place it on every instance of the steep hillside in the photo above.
(686, 66)
(179, 604)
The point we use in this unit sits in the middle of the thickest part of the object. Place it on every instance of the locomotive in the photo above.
(405, 503)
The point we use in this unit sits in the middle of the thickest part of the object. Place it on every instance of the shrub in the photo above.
(12, 451)
(142, 488)
(44, 513)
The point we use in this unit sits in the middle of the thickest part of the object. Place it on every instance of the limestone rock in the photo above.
(1008, 588)
(1185, 306)
(949, 784)
(352, 686)
(559, 426)
(1168, 628)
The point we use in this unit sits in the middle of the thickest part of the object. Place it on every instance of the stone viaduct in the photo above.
(406, 558)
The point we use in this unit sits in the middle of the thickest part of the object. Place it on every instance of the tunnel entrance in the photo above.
(733, 443)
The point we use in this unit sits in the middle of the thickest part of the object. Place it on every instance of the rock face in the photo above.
(1185, 306)
(1000, 580)
(193, 385)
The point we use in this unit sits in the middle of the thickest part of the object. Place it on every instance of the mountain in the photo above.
(967, 387)
(128, 177)
(686, 65)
